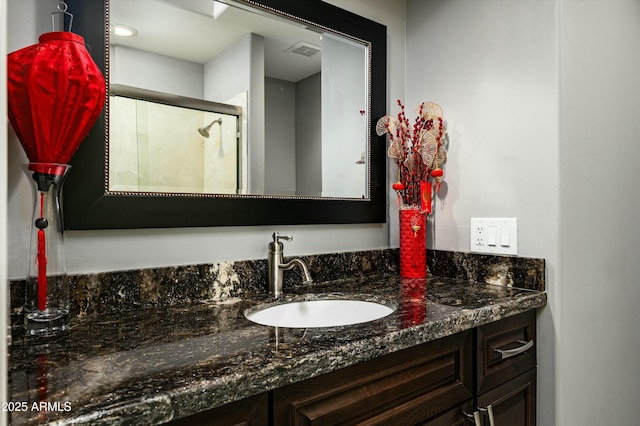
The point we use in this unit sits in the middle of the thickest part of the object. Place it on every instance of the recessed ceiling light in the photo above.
(124, 30)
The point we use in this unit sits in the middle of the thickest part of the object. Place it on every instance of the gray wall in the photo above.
(309, 132)
(280, 137)
(293, 137)
(598, 371)
(137, 68)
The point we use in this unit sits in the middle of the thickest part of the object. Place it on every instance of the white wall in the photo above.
(110, 250)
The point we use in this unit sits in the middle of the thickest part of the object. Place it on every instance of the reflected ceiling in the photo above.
(194, 35)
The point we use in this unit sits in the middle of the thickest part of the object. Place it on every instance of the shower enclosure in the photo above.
(194, 148)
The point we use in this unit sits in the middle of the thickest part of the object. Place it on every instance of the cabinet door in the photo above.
(252, 411)
(404, 388)
(512, 403)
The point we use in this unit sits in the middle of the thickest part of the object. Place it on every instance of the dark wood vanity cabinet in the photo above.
(488, 371)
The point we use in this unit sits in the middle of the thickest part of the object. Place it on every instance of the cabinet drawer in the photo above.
(403, 388)
(505, 349)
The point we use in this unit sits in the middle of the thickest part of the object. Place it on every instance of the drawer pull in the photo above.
(492, 421)
(489, 412)
(473, 418)
(508, 353)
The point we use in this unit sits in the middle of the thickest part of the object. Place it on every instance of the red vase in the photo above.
(413, 249)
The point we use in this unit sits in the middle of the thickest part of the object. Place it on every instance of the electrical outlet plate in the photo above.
(494, 236)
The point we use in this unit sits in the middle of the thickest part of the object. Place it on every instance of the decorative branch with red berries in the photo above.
(419, 152)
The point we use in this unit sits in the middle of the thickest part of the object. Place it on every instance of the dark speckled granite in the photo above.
(152, 365)
(149, 346)
(112, 292)
(522, 272)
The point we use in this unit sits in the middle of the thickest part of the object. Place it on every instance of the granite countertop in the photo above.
(152, 365)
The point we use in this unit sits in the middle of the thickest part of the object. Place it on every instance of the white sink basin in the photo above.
(319, 313)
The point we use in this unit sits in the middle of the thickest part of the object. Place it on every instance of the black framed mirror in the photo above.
(89, 203)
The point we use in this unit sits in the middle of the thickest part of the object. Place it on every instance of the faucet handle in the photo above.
(277, 237)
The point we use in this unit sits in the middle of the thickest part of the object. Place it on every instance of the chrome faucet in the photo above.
(276, 265)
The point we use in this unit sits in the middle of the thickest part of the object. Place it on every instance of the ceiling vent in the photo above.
(304, 49)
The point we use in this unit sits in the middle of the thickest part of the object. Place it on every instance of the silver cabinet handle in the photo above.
(474, 418)
(489, 412)
(504, 354)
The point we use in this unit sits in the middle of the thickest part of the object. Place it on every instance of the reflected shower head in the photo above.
(204, 131)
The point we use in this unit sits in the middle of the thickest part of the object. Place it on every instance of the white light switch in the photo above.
(494, 235)
(504, 236)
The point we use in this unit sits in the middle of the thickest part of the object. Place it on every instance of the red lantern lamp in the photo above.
(55, 95)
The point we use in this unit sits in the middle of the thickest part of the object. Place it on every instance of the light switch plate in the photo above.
(494, 236)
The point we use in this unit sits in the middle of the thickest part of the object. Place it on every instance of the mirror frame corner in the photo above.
(87, 203)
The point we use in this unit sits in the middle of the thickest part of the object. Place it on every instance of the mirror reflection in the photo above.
(156, 140)
(301, 95)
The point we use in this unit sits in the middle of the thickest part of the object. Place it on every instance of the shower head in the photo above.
(204, 131)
